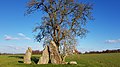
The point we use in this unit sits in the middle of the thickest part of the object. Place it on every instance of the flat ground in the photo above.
(83, 60)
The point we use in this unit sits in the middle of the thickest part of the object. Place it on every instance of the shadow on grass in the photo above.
(20, 57)
(33, 59)
(20, 61)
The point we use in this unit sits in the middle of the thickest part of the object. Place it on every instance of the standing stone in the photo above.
(44, 59)
(54, 54)
(27, 57)
(73, 62)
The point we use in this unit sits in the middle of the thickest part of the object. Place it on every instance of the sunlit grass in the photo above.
(83, 60)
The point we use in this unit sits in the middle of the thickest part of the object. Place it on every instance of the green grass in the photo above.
(83, 60)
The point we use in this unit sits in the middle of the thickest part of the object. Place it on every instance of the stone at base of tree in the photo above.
(44, 59)
(64, 62)
(51, 55)
(27, 56)
(54, 54)
(72, 62)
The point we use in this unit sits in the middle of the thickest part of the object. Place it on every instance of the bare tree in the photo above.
(64, 20)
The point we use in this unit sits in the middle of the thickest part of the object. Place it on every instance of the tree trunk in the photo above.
(57, 44)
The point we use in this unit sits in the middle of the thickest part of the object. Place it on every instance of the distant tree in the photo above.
(64, 20)
(36, 52)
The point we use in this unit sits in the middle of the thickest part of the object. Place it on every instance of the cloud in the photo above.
(24, 36)
(27, 38)
(112, 41)
(21, 34)
(7, 37)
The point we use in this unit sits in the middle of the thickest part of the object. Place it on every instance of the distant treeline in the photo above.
(11, 54)
(105, 51)
(36, 52)
(40, 52)
(33, 52)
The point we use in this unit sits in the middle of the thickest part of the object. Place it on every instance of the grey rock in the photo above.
(73, 62)
(54, 54)
(44, 59)
(27, 56)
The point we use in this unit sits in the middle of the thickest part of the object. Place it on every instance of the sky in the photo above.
(16, 29)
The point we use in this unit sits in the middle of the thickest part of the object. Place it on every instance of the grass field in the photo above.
(83, 60)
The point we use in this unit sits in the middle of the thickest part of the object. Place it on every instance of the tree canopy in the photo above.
(64, 20)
